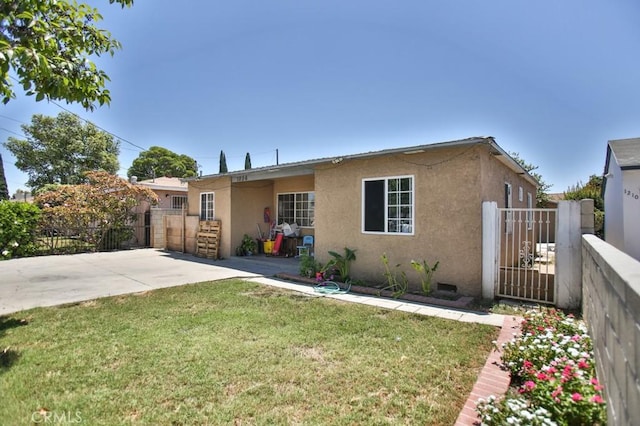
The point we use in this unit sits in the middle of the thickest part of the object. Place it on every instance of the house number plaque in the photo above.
(633, 194)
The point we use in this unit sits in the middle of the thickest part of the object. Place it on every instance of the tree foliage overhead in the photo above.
(542, 194)
(158, 161)
(49, 44)
(61, 149)
(90, 210)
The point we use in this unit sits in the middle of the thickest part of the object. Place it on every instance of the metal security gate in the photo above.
(526, 254)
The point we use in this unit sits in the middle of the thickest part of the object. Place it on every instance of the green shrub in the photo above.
(18, 224)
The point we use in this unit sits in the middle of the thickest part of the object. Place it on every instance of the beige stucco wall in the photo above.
(447, 216)
(248, 200)
(495, 175)
(221, 186)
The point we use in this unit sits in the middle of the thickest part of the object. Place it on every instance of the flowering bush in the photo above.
(18, 222)
(552, 365)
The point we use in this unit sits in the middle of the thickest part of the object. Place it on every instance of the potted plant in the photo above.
(247, 247)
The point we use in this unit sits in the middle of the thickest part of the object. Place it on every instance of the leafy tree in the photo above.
(60, 149)
(4, 189)
(94, 209)
(18, 224)
(158, 161)
(247, 162)
(542, 196)
(592, 189)
(48, 45)
(223, 163)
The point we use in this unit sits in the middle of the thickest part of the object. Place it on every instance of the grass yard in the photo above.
(233, 352)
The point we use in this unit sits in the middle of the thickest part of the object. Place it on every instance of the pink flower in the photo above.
(576, 397)
(527, 364)
(583, 364)
(529, 385)
(542, 376)
(596, 385)
(575, 338)
(597, 399)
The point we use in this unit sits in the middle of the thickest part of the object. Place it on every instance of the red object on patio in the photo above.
(277, 245)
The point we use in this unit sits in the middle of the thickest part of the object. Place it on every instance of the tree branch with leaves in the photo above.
(49, 45)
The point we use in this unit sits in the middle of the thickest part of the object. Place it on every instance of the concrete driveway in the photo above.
(53, 280)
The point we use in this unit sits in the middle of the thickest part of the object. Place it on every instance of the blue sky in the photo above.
(552, 80)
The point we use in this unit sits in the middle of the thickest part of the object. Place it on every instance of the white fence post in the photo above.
(569, 256)
(489, 248)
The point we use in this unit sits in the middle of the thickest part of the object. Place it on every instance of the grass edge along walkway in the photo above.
(493, 379)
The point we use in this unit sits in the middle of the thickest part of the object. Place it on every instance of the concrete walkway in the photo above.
(53, 280)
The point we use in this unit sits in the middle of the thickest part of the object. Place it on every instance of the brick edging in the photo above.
(493, 380)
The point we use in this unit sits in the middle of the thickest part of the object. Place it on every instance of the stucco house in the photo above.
(171, 192)
(621, 193)
(421, 202)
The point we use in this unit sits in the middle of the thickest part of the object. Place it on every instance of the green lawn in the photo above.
(233, 352)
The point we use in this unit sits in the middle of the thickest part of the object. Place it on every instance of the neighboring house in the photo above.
(621, 193)
(22, 195)
(422, 202)
(171, 192)
(172, 199)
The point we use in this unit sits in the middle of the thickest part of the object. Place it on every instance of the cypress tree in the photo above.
(4, 189)
(223, 163)
(247, 162)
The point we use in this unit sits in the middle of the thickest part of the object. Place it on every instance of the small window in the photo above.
(530, 212)
(298, 208)
(520, 194)
(508, 215)
(178, 201)
(207, 206)
(507, 196)
(388, 205)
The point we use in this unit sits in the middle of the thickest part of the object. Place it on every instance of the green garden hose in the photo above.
(330, 287)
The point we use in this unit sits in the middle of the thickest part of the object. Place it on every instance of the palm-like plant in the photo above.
(342, 263)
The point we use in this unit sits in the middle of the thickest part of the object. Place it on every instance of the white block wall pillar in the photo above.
(490, 240)
(569, 255)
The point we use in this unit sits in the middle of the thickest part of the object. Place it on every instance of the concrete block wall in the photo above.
(611, 308)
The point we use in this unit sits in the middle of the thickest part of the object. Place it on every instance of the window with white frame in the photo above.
(178, 201)
(298, 208)
(520, 194)
(388, 205)
(207, 206)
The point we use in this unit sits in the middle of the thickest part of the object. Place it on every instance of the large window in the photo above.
(388, 205)
(298, 208)
(207, 206)
(178, 201)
